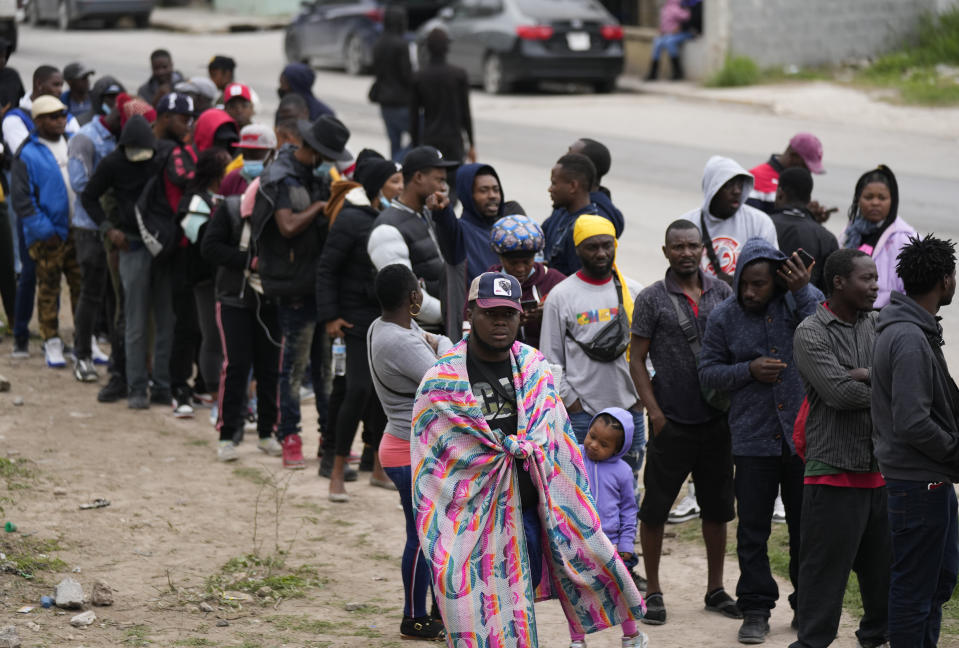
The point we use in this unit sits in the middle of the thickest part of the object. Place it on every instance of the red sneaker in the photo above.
(293, 452)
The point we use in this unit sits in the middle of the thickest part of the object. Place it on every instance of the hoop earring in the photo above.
(417, 310)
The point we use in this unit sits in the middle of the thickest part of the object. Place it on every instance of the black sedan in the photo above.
(505, 43)
(341, 33)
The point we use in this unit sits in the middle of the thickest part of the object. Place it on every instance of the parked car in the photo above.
(504, 43)
(66, 13)
(341, 33)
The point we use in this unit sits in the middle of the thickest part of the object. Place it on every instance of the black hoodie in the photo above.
(126, 178)
(914, 399)
(96, 98)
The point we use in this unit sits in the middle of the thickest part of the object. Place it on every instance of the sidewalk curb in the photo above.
(212, 22)
(690, 91)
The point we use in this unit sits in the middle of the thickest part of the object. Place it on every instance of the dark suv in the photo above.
(341, 33)
(504, 43)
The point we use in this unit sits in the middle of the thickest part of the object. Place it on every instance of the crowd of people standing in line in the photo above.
(510, 380)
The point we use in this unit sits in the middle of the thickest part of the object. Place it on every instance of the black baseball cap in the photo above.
(426, 157)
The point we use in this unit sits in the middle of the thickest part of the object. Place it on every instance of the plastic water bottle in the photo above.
(339, 357)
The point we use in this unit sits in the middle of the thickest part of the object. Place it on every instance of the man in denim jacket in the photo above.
(748, 351)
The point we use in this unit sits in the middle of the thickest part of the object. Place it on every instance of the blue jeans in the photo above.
(302, 346)
(26, 289)
(397, 121)
(671, 43)
(147, 287)
(637, 452)
(925, 560)
(533, 530)
(416, 572)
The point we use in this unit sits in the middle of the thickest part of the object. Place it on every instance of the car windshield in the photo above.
(547, 9)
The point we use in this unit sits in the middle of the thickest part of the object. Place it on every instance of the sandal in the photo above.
(719, 601)
(655, 610)
(422, 628)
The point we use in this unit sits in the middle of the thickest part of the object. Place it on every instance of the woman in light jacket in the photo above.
(876, 228)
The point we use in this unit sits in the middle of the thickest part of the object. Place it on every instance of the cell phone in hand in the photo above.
(807, 259)
(529, 304)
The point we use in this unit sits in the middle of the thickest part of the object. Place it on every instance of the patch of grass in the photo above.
(912, 69)
(736, 71)
(251, 474)
(250, 573)
(18, 473)
(138, 636)
(198, 442)
(26, 555)
(303, 623)
(194, 642)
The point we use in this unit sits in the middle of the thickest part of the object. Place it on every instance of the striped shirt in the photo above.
(839, 427)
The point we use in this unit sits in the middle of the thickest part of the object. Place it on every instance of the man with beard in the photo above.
(687, 434)
(495, 467)
(844, 521)
(914, 411)
(748, 351)
(725, 221)
(586, 332)
(467, 238)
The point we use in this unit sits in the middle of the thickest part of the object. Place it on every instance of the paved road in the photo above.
(659, 144)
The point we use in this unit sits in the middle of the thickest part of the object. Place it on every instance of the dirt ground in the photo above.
(178, 534)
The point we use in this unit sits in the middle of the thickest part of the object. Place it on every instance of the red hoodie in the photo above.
(181, 165)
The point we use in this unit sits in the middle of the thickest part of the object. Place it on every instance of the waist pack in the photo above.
(613, 339)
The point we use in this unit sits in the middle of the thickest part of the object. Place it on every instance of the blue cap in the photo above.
(175, 102)
(495, 289)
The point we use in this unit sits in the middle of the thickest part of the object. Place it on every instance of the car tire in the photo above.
(606, 86)
(353, 56)
(64, 19)
(493, 81)
(142, 20)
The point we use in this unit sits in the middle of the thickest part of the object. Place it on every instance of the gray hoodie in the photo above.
(914, 399)
(729, 234)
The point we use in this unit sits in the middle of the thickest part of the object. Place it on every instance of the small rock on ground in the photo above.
(206, 607)
(83, 619)
(69, 594)
(9, 637)
(102, 594)
(222, 623)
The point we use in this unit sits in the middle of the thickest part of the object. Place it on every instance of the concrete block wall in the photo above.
(814, 32)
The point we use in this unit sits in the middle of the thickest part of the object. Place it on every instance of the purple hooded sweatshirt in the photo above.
(611, 484)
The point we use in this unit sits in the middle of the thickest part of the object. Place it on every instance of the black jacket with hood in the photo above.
(96, 98)
(344, 273)
(915, 402)
(127, 179)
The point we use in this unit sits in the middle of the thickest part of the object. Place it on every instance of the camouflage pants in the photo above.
(54, 259)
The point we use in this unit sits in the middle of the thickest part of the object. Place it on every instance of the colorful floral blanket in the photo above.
(468, 516)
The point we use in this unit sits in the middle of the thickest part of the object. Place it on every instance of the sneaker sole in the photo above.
(55, 365)
(183, 416)
(227, 460)
(101, 363)
(679, 519)
(19, 355)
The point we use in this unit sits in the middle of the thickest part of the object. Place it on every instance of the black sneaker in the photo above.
(655, 610)
(161, 397)
(326, 469)
(113, 390)
(138, 401)
(21, 348)
(754, 629)
(422, 628)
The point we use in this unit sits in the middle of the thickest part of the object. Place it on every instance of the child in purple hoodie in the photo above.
(610, 478)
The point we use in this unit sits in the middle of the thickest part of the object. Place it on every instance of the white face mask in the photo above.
(135, 154)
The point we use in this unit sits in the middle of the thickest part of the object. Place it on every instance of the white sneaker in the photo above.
(687, 509)
(639, 641)
(306, 393)
(577, 644)
(214, 414)
(226, 451)
(779, 511)
(270, 446)
(182, 410)
(53, 350)
(99, 357)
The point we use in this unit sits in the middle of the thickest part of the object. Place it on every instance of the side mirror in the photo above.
(446, 13)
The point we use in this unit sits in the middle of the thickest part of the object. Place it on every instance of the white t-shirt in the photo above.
(59, 150)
